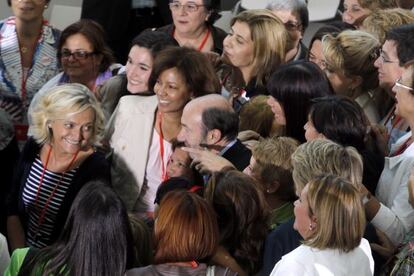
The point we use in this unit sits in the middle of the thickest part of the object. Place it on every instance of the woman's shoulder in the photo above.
(138, 104)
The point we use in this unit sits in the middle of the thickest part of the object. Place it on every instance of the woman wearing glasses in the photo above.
(28, 47)
(84, 56)
(193, 25)
(390, 210)
(55, 164)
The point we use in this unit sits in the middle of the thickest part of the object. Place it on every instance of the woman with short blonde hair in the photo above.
(61, 100)
(330, 218)
(322, 156)
(55, 164)
(349, 58)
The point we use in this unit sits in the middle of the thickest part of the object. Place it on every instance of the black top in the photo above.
(217, 34)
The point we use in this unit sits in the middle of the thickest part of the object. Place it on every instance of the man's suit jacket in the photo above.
(239, 155)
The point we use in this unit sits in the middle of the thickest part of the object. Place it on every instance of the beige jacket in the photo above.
(129, 133)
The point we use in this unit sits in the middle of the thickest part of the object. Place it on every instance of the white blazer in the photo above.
(129, 132)
(395, 216)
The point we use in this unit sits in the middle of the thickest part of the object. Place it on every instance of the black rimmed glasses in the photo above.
(79, 55)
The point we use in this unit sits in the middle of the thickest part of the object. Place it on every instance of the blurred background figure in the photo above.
(295, 15)
(28, 47)
(124, 19)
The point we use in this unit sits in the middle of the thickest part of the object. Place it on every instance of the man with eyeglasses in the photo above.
(395, 53)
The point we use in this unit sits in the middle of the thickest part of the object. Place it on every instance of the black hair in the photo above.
(404, 39)
(213, 7)
(96, 239)
(154, 41)
(227, 121)
(176, 183)
(341, 120)
(294, 85)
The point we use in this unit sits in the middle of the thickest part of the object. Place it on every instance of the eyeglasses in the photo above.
(189, 7)
(399, 84)
(384, 59)
(80, 55)
(293, 26)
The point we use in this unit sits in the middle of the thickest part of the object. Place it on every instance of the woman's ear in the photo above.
(272, 187)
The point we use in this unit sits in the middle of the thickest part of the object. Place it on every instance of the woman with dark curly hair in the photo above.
(242, 220)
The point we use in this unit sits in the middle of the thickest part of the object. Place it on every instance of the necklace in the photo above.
(23, 49)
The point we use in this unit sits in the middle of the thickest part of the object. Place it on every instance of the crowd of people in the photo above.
(206, 152)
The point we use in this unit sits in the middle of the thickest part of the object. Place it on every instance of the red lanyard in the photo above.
(163, 167)
(402, 148)
(203, 43)
(43, 211)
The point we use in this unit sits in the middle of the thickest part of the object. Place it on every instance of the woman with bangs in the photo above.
(330, 218)
(254, 48)
(349, 58)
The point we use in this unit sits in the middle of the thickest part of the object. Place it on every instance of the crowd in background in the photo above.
(144, 140)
